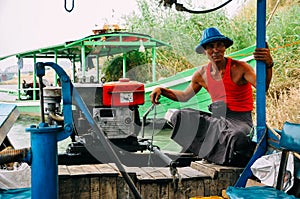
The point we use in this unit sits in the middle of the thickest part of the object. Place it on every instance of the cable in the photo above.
(180, 7)
(69, 9)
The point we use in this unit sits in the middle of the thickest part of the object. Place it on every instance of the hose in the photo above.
(14, 155)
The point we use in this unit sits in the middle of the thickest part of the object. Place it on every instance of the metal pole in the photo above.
(83, 61)
(44, 170)
(153, 64)
(261, 95)
(124, 65)
(261, 69)
(97, 68)
(42, 99)
(73, 72)
(19, 83)
(55, 76)
(34, 78)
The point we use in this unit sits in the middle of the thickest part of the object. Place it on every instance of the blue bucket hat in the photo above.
(211, 35)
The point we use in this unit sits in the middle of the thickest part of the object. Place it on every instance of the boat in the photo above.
(106, 111)
(84, 163)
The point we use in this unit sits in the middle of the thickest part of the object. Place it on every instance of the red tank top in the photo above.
(237, 97)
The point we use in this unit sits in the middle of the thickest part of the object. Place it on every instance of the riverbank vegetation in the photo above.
(183, 30)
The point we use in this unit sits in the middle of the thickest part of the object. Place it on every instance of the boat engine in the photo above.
(114, 106)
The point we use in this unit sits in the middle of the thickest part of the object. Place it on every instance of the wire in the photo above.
(72, 7)
(180, 7)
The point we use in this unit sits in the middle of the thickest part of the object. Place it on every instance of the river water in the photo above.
(21, 139)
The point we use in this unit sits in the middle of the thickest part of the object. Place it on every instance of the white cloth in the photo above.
(19, 177)
(266, 169)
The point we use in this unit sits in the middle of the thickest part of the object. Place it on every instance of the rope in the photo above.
(152, 137)
(272, 49)
(273, 11)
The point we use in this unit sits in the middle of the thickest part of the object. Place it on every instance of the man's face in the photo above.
(215, 51)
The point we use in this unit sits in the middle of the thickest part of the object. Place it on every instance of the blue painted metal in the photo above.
(260, 150)
(44, 138)
(261, 69)
(261, 94)
(44, 170)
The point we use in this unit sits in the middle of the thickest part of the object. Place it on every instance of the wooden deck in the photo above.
(105, 181)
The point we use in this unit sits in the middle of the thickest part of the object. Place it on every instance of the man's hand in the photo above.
(263, 54)
(155, 95)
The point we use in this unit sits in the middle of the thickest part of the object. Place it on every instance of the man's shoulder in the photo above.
(238, 63)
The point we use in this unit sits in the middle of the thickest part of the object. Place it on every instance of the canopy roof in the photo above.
(104, 44)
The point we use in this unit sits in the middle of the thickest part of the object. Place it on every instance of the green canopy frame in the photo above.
(99, 45)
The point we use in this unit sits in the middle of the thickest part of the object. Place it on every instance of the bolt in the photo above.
(68, 128)
(64, 78)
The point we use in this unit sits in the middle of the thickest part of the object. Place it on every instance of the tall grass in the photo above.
(183, 32)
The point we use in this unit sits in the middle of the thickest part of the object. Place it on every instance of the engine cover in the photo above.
(123, 93)
(117, 122)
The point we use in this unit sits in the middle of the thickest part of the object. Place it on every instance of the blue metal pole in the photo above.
(260, 94)
(44, 169)
(44, 176)
(261, 69)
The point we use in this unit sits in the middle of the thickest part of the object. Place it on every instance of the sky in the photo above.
(32, 24)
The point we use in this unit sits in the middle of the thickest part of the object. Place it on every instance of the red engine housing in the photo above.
(123, 93)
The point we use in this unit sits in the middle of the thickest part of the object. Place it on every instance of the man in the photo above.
(222, 137)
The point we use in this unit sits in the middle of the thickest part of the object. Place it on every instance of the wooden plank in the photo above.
(63, 171)
(163, 192)
(196, 189)
(108, 186)
(166, 172)
(160, 186)
(189, 187)
(131, 169)
(155, 173)
(76, 170)
(226, 179)
(207, 183)
(81, 186)
(106, 169)
(213, 170)
(123, 188)
(199, 188)
(143, 175)
(90, 169)
(74, 187)
(210, 171)
(95, 187)
(108, 181)
(149, 190)
(114, 166)
(177, 190)
(65, 188)
(188, 172)
(105, 181)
